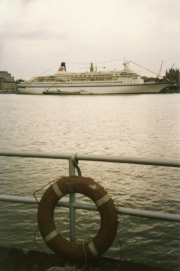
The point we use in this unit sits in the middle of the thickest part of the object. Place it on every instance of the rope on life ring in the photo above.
(74, 252)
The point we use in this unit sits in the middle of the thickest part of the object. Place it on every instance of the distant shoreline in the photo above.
(9, 92)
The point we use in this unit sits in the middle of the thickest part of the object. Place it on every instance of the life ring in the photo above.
(74, 252)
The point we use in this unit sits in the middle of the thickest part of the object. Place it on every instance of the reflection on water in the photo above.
(127, 125)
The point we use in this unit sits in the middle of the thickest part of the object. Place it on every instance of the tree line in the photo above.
(173, 75)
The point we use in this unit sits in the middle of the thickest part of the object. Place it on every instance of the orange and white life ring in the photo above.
(74, 252)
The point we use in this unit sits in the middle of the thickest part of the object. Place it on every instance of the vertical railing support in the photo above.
(72, 198)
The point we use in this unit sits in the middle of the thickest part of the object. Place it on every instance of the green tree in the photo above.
(173, 75)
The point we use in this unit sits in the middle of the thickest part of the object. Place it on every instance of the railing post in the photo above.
(72, 198)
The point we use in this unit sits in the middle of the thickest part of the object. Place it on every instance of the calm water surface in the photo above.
(124, 125)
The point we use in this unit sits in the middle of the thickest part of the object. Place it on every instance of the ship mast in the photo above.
(91, 67)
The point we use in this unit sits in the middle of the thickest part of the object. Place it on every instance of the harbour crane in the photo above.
(92, 68)
(95, 67)
(38, 75)
(159, 74)
(146, 68)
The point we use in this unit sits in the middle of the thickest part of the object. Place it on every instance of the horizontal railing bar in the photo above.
(29, 200)
(35, 154)
(149, 214)
(87, 157)
(132, 212)
(129, 160)
(90, 206)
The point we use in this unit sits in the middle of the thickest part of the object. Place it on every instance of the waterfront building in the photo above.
(7, 83)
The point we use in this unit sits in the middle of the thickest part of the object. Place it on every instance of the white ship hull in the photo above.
(90, 83)
(95, 90)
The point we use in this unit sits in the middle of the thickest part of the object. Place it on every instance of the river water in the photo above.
(122, 125)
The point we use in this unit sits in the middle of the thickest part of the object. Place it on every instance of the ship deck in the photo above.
(12, 259)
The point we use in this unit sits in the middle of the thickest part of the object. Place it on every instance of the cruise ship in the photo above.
(92, 82)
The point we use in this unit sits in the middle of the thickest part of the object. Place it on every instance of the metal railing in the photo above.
(73, 164)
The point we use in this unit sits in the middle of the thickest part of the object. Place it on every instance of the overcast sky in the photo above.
(36, 35)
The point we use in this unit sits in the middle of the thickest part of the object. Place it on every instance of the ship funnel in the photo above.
(63, 64)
